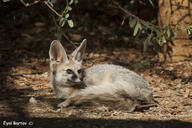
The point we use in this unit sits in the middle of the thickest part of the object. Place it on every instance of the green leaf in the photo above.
(68, 8)
(154, 21)
(147, 41)
(70, 22)
(6, 0)
(132, 1)
(146, 63)
(164, 39)
(67, 15)
(132, 22)
(137, 27)
(146, 25)
(136, 30)
(71, 2)
(50, 3)
(168, 33)
(77, 43)
(61, 22)
(173, 37)
(159, 42)
(191, 27)
(76, 1)
(151, 3)
(53, 1)
(143, 31)
(145, 45)
(64, 12)
(188, 32)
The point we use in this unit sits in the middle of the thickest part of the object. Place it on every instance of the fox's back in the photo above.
(122, 79)
(110, 73)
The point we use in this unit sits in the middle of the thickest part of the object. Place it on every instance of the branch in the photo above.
(29, 4)
(132, 15)
(53, 10)
(65, 36)
(45, 2)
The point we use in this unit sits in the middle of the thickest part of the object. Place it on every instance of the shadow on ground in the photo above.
(97, 123)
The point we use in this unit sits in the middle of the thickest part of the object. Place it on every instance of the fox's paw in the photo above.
(63, 105)
(68, 102)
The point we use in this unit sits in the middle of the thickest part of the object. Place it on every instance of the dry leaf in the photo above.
(187, 93)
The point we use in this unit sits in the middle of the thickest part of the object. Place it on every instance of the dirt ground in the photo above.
(26, 97)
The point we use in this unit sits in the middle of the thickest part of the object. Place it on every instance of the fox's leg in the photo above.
(103, 92)
(70, 101)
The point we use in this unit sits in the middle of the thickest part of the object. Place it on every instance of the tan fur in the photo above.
(107, 78)
(73, 90)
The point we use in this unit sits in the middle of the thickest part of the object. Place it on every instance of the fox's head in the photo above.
(66, 70)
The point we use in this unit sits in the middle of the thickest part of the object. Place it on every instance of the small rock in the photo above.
(32, 100)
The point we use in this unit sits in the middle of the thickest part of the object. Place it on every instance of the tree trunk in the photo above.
(177, 13)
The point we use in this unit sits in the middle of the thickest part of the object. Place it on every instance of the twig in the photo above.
(29, 4)
(67, 38)
(53, 10)
(21, 74)
(147, 106)
(45, 2)
(132, 15)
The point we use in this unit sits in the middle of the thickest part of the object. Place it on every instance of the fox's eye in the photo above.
(69, 71)
(80, 71)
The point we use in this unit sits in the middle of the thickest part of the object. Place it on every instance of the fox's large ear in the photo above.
(57, 53)
(79, 52)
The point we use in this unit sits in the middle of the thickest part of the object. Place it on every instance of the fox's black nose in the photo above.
(81, 78)
(74, 77)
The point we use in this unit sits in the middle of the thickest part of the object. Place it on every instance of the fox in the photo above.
(101, 84)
